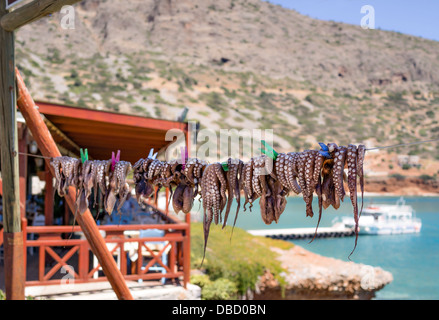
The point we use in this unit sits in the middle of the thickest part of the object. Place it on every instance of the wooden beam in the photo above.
(13, 237)
(48, 148)
(32, 11)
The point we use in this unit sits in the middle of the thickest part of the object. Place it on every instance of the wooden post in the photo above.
(187, 252)
(22, 147)
(48, 148)
(13, 237)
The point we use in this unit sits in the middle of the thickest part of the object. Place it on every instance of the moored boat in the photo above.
(384, 219)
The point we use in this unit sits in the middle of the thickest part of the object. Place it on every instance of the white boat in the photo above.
(379, 219)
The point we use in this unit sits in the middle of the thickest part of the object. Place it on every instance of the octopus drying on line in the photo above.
(259, 179)
(187, 188)
(338, 173)
(143, 186)
(352, 185)
(86, 181)
(100, 170)
(118, 188)
(66, 171)
(213, 193)
(292, 172)
(361, 152)
(234, 185)
(250, 195)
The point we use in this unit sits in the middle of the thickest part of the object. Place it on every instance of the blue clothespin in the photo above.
(84, 155)
(325, 150)
(114, 159)
(323, 146)
(152, 155)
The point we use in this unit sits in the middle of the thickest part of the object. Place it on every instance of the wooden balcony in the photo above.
(59, 257)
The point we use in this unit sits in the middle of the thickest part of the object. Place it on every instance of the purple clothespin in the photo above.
(114, 159)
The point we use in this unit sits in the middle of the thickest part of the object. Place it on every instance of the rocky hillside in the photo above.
(239, 64)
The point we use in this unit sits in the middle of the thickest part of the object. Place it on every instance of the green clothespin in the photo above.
(84, 155)
(225, 166)
(271, 152)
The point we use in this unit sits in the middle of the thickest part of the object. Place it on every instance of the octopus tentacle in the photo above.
(317, 185)
(211, 202)
(280, 169)
(305, 171)
(232, 185)
(328, 194)
(361, 152)
(292, 172)
(177, 198)
(237, 192)
(338, 171)
(352, 184)
(188, 199)
(248, 183)
(118, 187)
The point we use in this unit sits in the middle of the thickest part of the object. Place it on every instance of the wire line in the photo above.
(402, 144)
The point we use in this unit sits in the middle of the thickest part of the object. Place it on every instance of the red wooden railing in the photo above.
(53, 247)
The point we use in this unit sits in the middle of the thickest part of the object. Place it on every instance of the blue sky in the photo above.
(414, 17)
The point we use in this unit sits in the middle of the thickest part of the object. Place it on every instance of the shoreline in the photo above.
(312, 276)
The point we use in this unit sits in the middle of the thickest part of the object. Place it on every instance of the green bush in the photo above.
(220, 289)
(241, 259)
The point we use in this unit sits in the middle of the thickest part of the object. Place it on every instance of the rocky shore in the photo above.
(312, 276)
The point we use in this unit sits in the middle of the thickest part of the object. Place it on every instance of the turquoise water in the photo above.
(412, 259)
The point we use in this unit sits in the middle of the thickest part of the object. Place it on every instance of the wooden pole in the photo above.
(48, 148)
(22, 147)
(32, 11)
(13, 237)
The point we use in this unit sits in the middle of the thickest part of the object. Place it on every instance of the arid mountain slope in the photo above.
(239, 64)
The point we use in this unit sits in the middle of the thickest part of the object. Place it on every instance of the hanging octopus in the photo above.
(308, 176)
(291, 171)
(100, 170)
(250, 195)
(361, 152)
(234, 186)
(66, 171)
(187, 189)
(352, 185)
(213, 193)
(338, 174)
(262, 182)
(86, 181)
(118, 187)
(143, 186)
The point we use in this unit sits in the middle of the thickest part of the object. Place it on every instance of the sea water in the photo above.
(413, 259)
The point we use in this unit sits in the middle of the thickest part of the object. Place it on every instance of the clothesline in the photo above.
(368, 149)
